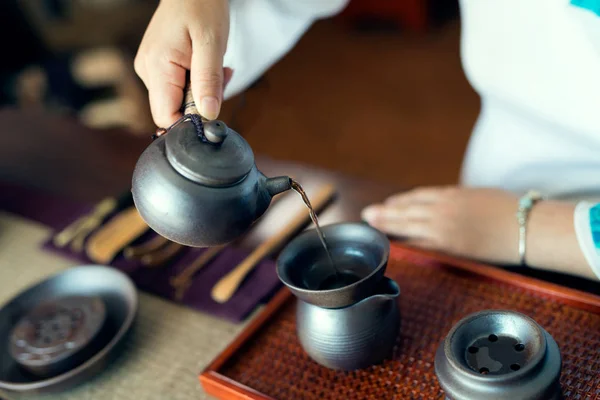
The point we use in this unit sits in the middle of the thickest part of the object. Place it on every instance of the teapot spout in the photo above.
(278, 184)
(386, 291)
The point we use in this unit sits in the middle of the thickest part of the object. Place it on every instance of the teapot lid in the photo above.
(220, 157)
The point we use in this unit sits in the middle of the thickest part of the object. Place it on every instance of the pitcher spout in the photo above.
(387, 290)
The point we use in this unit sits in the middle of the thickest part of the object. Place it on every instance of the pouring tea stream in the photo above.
(197, 183)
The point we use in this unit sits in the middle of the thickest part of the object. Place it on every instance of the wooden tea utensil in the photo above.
(148, 246)
(106, 243)
(78, 231)
(226, 287)
(160, 257)
(85, 223)
(183, 280)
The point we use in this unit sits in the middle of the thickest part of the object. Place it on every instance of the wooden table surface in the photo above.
(59, 155)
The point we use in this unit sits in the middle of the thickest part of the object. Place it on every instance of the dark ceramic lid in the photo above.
(223, 159)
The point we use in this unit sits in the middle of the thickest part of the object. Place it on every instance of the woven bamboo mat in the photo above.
(433, 299)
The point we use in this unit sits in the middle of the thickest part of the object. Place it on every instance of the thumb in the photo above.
(207, 77)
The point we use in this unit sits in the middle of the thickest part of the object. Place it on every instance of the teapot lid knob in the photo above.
(215, 131)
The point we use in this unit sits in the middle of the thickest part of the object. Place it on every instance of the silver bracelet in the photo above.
(526, 203)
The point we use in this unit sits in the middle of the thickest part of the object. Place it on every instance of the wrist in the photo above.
(552, 242)
(525, 206)
(545, 215)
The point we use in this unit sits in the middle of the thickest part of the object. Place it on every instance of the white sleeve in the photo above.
(587, 228)
(263, 31)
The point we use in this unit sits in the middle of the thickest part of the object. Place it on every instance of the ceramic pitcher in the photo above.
(352, 326)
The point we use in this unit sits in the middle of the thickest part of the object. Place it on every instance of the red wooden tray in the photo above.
(267, 362)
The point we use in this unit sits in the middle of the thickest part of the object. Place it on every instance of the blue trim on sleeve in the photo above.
(595, 224)
(590, 5)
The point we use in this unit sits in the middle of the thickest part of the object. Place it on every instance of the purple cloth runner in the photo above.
(57, 213)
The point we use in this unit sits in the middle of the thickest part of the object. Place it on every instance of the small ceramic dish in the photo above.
(63, 330)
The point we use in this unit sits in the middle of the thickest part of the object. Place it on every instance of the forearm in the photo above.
(551, 240)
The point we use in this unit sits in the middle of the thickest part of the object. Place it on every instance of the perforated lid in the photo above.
(55, 329)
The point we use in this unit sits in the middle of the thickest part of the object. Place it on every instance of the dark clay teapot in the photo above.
(197, 183)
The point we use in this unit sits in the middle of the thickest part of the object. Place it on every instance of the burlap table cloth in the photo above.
(169, 345)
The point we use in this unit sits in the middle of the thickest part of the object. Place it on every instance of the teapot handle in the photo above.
(189, 106)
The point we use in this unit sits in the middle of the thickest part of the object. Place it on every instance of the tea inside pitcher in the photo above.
(349, 271)
(343, 272)
(338, 281)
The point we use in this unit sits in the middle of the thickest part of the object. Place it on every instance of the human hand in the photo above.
(185, 35)
(473, 223)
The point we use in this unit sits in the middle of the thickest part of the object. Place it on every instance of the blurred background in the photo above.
(383, 72)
